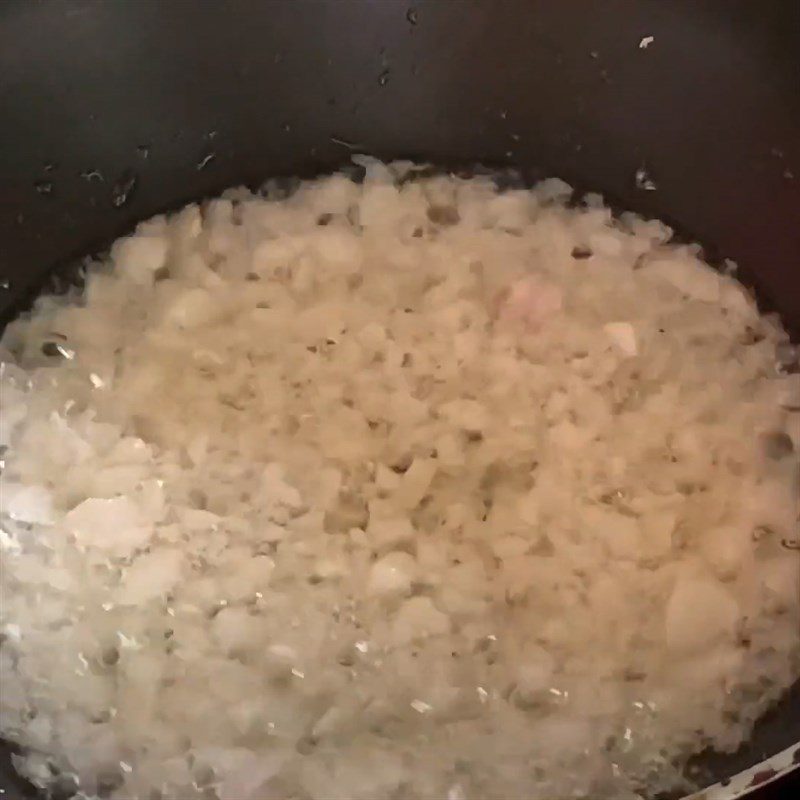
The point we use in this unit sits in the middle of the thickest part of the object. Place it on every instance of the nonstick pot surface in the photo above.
(111, 112)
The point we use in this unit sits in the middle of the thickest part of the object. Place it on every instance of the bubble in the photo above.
(54, 349)
(90, 175)
(205, 161)
(123, 188)
(643, 181)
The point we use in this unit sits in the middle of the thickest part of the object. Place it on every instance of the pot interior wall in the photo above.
(114, 111)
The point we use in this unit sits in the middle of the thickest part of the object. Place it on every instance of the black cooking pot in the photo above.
(113, 111)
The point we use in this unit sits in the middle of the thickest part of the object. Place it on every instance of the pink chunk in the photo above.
(531, 301)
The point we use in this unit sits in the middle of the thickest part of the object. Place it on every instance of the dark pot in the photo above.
(111, 112)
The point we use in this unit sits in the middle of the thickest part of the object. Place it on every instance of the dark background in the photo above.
(109, 112)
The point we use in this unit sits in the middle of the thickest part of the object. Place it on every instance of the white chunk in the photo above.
(725, 548)
(622, 336)
(114, 525)
(418, 618)
(699, 283)
(700, 612)
(390, 533)
(193, 308)
(33, 504)
(535, 670)
(391, 575)
(415, 483)
(140, 256)
(235, 629)
(151, 576)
